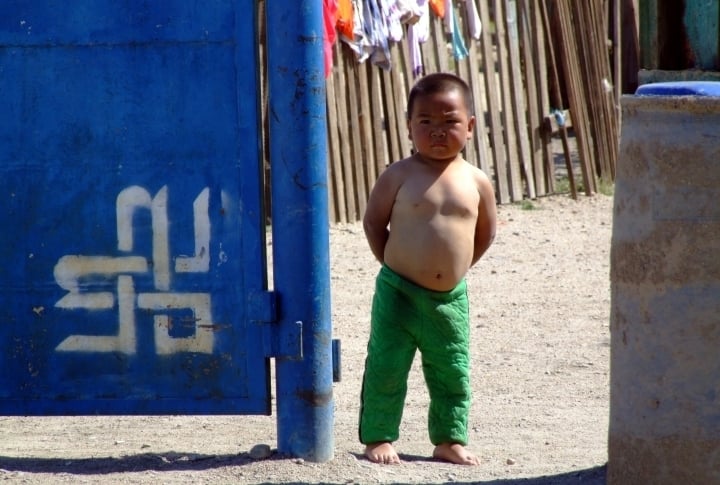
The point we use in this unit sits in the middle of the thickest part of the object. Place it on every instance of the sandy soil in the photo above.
(540, 309)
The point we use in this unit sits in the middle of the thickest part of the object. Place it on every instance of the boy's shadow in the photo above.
(403, 457)
(589, 476)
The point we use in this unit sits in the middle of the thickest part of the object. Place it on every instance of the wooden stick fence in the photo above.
(532, 57)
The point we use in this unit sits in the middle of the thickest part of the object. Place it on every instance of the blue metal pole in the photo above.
(298, 166)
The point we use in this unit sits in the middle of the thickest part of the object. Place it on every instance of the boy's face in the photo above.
(439, 125)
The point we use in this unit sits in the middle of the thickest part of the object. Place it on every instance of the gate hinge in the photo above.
(262, 306)
(278, 340)
(284, 341)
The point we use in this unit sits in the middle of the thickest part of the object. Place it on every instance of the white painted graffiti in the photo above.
(70, 271)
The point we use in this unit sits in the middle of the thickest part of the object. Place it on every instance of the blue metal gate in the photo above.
(132, 247)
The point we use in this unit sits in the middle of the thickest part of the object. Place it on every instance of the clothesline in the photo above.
(368, 27)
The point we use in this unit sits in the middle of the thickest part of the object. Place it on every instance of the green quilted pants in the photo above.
(406, 318)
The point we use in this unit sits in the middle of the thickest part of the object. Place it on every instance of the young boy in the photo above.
(429, 218)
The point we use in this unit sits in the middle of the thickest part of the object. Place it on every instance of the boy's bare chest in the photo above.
(441, 196)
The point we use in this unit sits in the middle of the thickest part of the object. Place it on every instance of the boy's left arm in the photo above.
(485, 226)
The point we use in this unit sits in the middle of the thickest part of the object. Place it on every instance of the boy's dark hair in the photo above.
(440, 82)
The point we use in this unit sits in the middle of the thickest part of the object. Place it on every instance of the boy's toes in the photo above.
(455, 453)
(381, 453)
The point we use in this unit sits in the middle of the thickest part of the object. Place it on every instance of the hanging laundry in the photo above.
(400, 12)
(329, 33)
(358, 41)
(459, 51)
(419, 33)
(438, 6)
(473, 19)
(409, 10)
(344, 22)
(376, 12)
(370, 32)
(394, 24)
(376, 23)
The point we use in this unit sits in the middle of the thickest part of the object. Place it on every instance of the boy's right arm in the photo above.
(378, 211)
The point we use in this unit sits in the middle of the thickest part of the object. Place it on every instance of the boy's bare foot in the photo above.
(382, 452)
(455, 453)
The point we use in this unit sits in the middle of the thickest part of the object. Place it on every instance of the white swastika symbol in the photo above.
(70, 269)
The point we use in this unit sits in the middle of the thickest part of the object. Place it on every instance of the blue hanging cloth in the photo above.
(458, 44)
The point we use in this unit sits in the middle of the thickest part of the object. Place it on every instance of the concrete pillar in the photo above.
(665, 280)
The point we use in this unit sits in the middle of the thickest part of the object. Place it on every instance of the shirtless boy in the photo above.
(429, 218)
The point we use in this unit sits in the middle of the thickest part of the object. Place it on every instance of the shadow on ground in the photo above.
(591, 476)
(173, 461)
(169, 461)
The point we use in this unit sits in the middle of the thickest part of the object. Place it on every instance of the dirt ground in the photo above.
(540, 305)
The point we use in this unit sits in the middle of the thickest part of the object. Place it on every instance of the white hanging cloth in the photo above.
(473, 19)
(419, 33)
